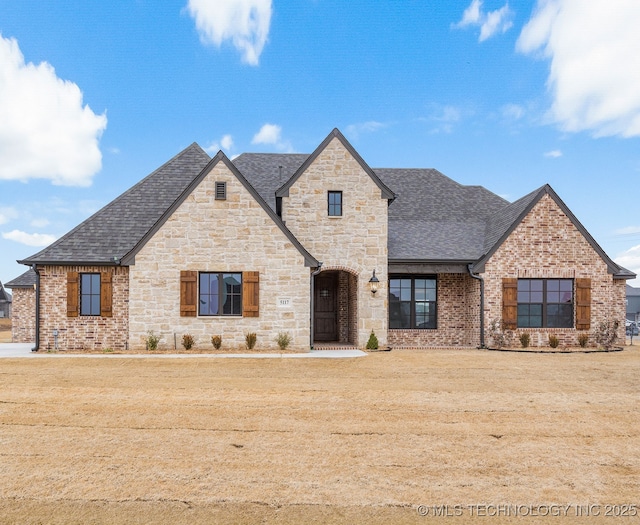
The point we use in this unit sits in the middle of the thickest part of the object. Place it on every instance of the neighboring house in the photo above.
(5, 302)
(23, 321)
(326, 248)
(633, 304)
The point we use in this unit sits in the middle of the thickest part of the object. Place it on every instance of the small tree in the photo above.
(499, 336)
(606, 333)
(372, 343)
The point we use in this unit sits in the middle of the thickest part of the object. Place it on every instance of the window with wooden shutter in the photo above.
(73, 294)
(188, 293)
(583, 304)
(250, 294)
(509, 303)
(106, 294)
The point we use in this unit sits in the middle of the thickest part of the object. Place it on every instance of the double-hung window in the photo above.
(335, 203)
(545, 303)
(89, 294)
(413, 302)
(220, 293)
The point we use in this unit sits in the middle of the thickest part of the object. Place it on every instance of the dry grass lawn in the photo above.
(363, 440)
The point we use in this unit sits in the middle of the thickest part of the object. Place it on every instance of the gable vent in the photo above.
(221, 191)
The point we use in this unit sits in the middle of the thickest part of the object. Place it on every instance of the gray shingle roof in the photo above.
(114, 230)
(25, 280)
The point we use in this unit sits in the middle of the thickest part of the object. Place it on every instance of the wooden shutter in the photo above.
(188, 293)
(509, 303)
(73, 294)
(106, 294)
(583, 304)
(250, 294)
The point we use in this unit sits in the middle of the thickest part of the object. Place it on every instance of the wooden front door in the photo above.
(326, 307)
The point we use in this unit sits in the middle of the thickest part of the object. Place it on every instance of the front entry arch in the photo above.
(335, 307)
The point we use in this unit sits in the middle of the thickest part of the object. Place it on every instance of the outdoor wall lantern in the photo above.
(373, 283)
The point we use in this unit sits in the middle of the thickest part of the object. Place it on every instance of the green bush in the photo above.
(372, 343)
(216, 341)
(525, 338)
(152, 340)
(250, 340)
(283, 340)
(188, 341)
(554, 341)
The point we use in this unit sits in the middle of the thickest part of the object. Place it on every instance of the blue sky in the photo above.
(96, 95)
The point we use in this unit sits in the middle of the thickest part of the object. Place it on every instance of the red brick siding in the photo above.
(23, 315)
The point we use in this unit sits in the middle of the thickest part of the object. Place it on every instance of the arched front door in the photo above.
(326, 307)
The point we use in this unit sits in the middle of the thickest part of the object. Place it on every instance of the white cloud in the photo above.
(593, 47)
(490, 23)
(30, 239)
(513, 111)
(40, 223)
(7, 214)
(245, 23)
(364, 127)
(444, 117)
(272, 134)
(553, 154)
(226, 143)
(630, 259)
(45, 130)
(628, 230)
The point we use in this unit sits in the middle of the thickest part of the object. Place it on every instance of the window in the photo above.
(335, 203)
(89, 294)
(412, 302)
(220, 294)
(545, 303)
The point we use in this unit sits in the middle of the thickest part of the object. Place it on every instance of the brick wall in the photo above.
(356, 242)
(23, 320)
(82, 332)
(547, 245)
(458, 299)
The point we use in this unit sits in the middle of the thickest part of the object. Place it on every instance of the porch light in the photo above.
(373, 283)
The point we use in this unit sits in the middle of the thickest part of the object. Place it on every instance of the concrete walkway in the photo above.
(24, 350)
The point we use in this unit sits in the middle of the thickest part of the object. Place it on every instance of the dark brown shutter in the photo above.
(250, 294)
(509, 303)
(583, 304)
(188, 293)
(106, 294)
(73, 294)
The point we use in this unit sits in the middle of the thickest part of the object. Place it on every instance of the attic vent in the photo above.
(221, 191)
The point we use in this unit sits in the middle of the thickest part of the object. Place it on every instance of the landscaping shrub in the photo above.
(152, 341)
(283, 340)
(583, 339)
(250, 340)
(554, 341)
(188, 341)
(372, 343)
(216, 341)
(606, 333)
(525, 338)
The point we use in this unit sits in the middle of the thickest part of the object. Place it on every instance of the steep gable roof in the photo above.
(112, 232)
(502, 224)
(385, 192)
(4, 295)
(220, 157)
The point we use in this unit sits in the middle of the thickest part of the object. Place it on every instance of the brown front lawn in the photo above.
(361, 440)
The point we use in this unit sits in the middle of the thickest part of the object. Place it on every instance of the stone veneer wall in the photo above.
(355, 242)
(23, 315)
(458, 300)
(547, 245)
(232, 235)
(82, 332)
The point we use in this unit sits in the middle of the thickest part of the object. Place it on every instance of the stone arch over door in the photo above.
(336, 306)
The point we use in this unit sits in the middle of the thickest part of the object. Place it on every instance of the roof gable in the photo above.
(220, 157)
(25, 280)
(504, 222)
(385, 192)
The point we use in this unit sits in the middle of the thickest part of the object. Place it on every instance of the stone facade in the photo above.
(546, 244)
(82, 332)
(355, 242)
(23, 316)
(209, 235)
